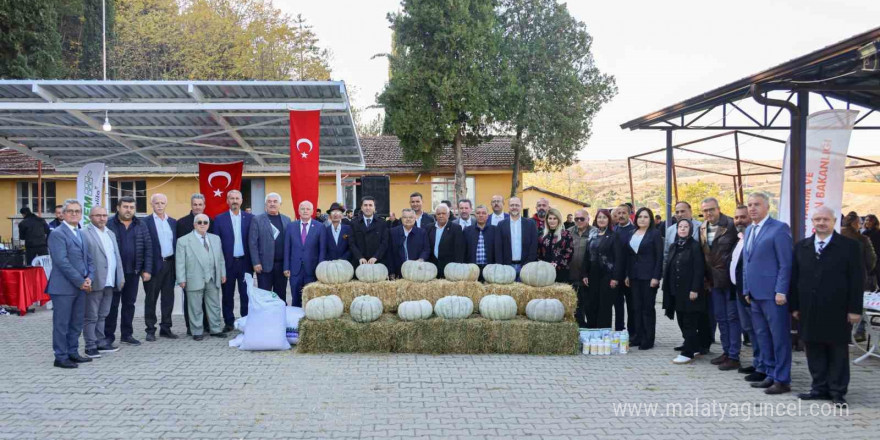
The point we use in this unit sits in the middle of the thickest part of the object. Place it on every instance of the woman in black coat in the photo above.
(644, 268)
(601, 271)
(683, 291)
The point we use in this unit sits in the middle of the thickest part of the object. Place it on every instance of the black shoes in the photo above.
(679, 348)
(130, 340)
(755, 377)
(228, 328)
(198, 337)
(151, 337)
(813, 396)
(746, 370)
(778, 388)
(839, 401)
(766, 383)
(109, 348)
(167, 334)
(67, 363)
(93, 353)
(218, 335)
(79, 359)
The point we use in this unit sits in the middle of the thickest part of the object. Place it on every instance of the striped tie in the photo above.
(819, 251)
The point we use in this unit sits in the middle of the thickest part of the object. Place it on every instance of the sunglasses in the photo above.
(202, 222)
(580, 219)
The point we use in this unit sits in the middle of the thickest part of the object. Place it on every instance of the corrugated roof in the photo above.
(557, 195)
(383, 153)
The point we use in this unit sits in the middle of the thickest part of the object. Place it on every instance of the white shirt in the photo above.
(73, 229)
(335, 230)
(756, 229)
(370, 219)
(166, 236)
(734, 262)
(237, 246)
(516, 239)
(825, 240)
(636, 241)
(437, 236)
(464, 223)
(110, 251)
(418, 221)
(496, 218)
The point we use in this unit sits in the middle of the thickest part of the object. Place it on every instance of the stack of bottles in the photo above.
(604, 342)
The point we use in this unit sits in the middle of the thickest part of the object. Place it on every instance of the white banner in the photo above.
(828, 135)
(90, 188)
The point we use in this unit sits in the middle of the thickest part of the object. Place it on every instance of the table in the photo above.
(21, 288)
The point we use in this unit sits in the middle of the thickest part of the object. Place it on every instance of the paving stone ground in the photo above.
(206, 390)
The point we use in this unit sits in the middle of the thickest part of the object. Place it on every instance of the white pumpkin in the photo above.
(372, 273)
(418, 271)
(498, 307)
(538, 274)
(461, 272)
(366, 308)
(499, 274)
(545, 310)
(334, 272)
(454, 307)
(415, 310)
(324, 307)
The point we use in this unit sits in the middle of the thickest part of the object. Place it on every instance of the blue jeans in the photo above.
(727, 317)
(745, 318)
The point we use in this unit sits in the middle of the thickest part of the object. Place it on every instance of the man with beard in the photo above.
(756, 372)
(136, 251)
(541, 208)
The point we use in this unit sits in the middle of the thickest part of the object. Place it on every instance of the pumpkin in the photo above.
(461, 272)
(498, 307)
(334, 271)
(545, 310)
(538, 274)
(418, 271)
(324, 307)
(372, 273)
(415, 310)
(499, 274)
(454, 307)
(366, 308)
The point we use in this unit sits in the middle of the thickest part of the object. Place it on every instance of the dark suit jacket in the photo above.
(154, 238)
(416, 246)
(472, 236)
(369, 242)
(223, 229)
(299, 257)
(340, 250)
(185, 225)
(647, 263)
(451, 246)
(427, 221)
(824, 290)
(529, 242)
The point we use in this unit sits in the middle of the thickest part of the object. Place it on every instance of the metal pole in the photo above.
(106, 190)
(669, 170)
(799, 167)
(738, 182)
(736, 195)
(104, 35)
(629, 168)
(339, 198)
(40, 188)
(675, 182)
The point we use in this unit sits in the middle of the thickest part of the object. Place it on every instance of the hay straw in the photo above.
(347, 292)
(523, 294)
(475, 335)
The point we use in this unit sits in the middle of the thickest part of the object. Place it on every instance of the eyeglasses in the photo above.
(580, 219)
(73, 211)
(202, 222)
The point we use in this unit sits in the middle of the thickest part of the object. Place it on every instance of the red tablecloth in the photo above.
(21, 288)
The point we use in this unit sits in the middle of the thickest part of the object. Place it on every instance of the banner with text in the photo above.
(305, 131)
(828, 135)
(215, 181)
(90, 188)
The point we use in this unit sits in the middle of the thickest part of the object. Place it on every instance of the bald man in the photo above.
(303, 249)
(161, 285)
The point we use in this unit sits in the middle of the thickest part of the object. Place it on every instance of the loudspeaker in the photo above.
(12, 259)
(378, 187)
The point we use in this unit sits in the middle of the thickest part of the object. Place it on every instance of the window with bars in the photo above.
(132, 188)
(27, 196)
(443, 188)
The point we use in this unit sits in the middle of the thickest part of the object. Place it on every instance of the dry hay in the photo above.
(347, 292)
(475, 335)
(434, 290)
(523, 294)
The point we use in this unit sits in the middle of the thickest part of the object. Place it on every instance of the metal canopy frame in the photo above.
(170, 126)
(840, 72)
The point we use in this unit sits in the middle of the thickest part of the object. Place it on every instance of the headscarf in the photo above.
(679, 240)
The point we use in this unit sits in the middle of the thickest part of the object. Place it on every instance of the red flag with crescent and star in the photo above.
(305, 131)
(217, 179)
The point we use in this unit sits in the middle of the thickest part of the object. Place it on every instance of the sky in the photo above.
(660, 52)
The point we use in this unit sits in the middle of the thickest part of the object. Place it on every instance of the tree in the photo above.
(551, 85)
(90, 64)
(443, 78)
(30, 44)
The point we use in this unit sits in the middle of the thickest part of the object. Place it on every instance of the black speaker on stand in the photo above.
(379, 188)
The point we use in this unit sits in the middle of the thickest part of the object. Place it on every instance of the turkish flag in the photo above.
(305, 131)
(215, 180)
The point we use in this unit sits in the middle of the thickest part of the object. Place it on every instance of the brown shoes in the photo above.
(778, 388)
(729, 364)
(719, 360)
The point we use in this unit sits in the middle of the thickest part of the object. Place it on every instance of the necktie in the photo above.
(368, 222)
(821, 248)
(303, 233)
(405, 249)
(205, 242)
(752, 237)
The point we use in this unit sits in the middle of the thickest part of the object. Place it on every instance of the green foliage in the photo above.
(694, 193)
(30, 43)
(90, 63)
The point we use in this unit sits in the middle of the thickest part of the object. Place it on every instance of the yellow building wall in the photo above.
(530, 200)
(7, 209)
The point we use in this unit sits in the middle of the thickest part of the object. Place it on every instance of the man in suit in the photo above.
(516, 238)
(623, 229)
(756, 372)
(445, 241)
(423, 219)
(136, 250)
(266, 246)
(109, 278)
(407, 243)
(718, 237)
(34, 231)
(370, 235)
(337, 236)
(59, 218)
(303, 249)
(766, 278)
(161, 284)
(201, 271)
(580, 234)
(233, 227)
(498, 213)
(71, 277)
(480, 240)
(185, 225)
(465, 219)
(826, 296)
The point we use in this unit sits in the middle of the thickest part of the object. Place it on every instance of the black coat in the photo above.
(684, 273)
(472, 237)
(647, 263)
(369, 242)
(34, 231)
(451, 246)
(824, 290)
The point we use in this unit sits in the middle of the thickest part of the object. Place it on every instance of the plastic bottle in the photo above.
(606, 345)
(615, 343)
(594, 347)
(624, 342)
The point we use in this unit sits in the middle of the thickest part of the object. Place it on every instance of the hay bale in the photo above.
(436, 289)
(523, 294)
(347, 292)
(475, 335)
(316, 289)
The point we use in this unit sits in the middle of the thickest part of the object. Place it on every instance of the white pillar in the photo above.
(106, 190)
(339, 198)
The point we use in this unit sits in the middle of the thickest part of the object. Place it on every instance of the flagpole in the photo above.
(107, 190)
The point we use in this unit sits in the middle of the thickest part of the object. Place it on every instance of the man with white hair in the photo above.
(445, 240)
(266, 246)
(201, 272)
(303, 249)
(162, 234)
(498, 213)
